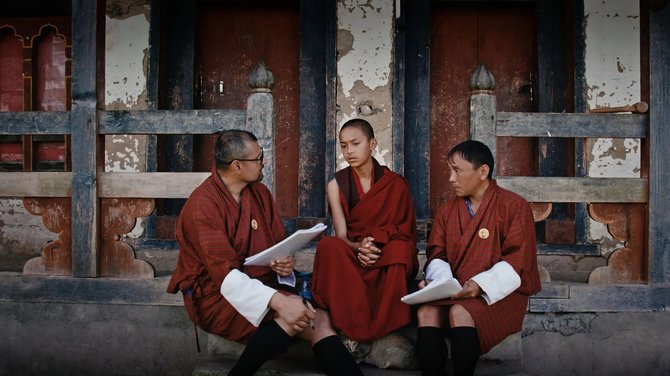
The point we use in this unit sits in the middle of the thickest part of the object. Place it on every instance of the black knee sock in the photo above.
(465, 350)
(268, 340)
(334, 358)
(431, 350)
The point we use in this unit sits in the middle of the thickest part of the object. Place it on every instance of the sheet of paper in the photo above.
(435, 290)
(285, 247)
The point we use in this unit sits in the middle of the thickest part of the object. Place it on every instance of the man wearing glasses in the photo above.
(229, 217)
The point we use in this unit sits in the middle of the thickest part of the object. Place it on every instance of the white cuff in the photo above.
(438, 270)
(498, 282)
(289, 280)
(250, 297)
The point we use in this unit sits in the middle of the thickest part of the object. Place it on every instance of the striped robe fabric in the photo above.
(215, 235)
(458, 239)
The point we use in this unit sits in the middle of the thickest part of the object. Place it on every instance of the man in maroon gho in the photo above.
(485, 238)
(229, 217)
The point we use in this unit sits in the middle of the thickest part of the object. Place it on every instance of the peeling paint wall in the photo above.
(365, 69)
(612, 77)
(126, 62)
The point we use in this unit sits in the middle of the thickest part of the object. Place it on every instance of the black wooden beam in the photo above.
(86, 25)
(417, 108)
(35, 123)
(313, 135)
(552, 89)
(659, 139)
(179, 122)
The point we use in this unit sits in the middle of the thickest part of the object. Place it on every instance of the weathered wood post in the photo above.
(261, 118)
(483, 108)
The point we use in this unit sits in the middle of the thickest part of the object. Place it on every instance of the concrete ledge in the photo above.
(16, 287)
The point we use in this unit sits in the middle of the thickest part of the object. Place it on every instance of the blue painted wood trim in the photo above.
(87, 27)
(659, 139)
(311, 172)
(581, 213)
(417, 108)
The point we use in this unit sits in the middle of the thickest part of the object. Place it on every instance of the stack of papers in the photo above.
(285, 247)
(436, 290)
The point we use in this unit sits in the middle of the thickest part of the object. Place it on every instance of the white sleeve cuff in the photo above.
(289, 280)
(438, 269)
(498, 282)
(250, 297)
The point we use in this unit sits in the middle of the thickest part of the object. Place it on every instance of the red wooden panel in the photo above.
(232, 39)
(502, 36)
(11, 70)
(11, 152)
(49, 81)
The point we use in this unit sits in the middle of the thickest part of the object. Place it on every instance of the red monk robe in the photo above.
(215, 235)
(462, 241)
(365, 303)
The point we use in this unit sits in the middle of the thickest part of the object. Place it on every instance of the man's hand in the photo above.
(368, 253)
(283, 267)
(424, 283)
(291, 313)
(470, 290)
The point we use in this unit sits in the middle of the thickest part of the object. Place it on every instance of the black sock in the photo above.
(268, 340)
(431, 350)
(465, 350)
(334, 358)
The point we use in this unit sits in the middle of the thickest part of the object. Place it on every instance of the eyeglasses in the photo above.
(259, 158)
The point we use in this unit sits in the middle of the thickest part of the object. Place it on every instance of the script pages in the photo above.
(285, 247)
(436, 290)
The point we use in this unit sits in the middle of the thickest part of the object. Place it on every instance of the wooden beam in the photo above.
(35, 122)
(527, 124)
(313, 135)
(659, 153)
(181, 122)
(86, 30)
(35, 184)
(564, 189)
(150, 184)
(417, 109)
(601, 298)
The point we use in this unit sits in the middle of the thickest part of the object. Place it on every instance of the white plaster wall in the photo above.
(126, 55)
(612, 76)
(364, 69)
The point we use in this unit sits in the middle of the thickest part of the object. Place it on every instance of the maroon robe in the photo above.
(455, 238)
(215, 235)
(365, 303)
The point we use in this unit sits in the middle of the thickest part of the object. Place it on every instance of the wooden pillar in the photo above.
(87, 24)
(483, 108)
(261, 118)
(659, 138)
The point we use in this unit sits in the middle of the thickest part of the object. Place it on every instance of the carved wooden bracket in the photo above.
(625, 222)
(56, 256)
(118, 217)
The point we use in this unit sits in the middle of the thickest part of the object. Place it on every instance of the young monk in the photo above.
(485, 238)
(361, 273)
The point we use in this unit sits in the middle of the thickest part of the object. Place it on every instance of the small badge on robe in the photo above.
(254, 224)
(484, 233)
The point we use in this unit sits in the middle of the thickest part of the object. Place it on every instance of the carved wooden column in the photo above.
(261, 118)
(483, 108)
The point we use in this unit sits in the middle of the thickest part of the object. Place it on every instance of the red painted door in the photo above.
(503, 37)
(232, 38)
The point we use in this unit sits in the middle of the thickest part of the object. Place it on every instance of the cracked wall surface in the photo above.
(364, 70)
(612, 78)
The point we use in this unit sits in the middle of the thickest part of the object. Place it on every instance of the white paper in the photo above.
(436, 290)
(285, 247)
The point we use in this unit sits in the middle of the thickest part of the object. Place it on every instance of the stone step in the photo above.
(504, 359)
(219, 365)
